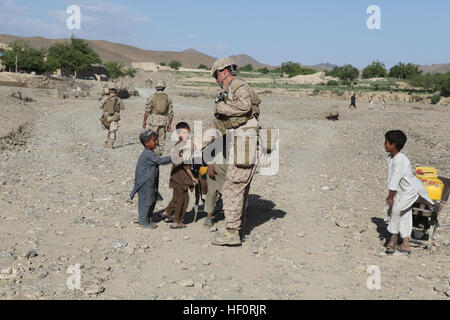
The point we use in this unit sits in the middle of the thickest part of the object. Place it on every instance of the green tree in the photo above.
(175, 64)
(293, 69)
(20, 56)
(204, 67)
(73, 55)
(346, 73)
(162, 64)
(376, 69)
(247, 67)
(115, 69)
(404, 71)
(263, 70)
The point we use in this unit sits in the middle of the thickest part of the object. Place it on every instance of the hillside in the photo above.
(110, 51)
(436, 68)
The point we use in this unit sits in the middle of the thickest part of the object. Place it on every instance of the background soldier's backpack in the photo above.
(111, 106)
(160, 103)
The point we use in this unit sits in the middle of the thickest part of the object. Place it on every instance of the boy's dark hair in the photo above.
(183, 125)
(397, 137)
(147, 135)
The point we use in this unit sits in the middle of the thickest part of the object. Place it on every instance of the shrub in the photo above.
(316, 91)
(264, 70)
(162, 64)
(435, 99)
(293, 69)
(175, 64)
(332, 83)
(202, 66)
(247, 67)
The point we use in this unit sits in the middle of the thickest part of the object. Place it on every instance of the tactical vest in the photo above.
(111, 111)
(160, 103)
(223, 122)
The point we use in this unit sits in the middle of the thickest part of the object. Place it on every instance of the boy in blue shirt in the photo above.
(146, 179)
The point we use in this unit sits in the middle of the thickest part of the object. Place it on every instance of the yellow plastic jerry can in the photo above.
(429, 177)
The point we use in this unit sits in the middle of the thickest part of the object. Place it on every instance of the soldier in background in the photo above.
(105, 95)
(111, 105)
(237, 118)
(159, 108)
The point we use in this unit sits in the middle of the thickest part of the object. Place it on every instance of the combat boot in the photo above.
(111, 145)
(227, 238)
(106, 144)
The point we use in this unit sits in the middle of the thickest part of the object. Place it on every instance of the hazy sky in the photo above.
(308, 32)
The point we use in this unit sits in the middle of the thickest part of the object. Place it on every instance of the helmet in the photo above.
(221, 64)
(160, 84)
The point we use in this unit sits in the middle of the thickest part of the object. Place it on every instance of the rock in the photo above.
(30, 254)
(206, 262)
(42, 275)
(186, 283)
(166, 239)
(6, 271)
(198, 285)
(119, 244)
(95, 290)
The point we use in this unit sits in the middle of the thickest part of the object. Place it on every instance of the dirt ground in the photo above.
(311, 233)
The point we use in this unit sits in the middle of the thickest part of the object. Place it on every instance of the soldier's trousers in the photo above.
(215, 187)
(112, 132)
(161, 132)
(235, 194)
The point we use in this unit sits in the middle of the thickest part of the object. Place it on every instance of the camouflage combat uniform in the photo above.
(159, 107)
(111, 106)
(240, 172)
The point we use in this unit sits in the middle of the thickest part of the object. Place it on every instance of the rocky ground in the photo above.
(312, 230)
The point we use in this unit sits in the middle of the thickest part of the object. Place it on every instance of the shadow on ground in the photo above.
(383, 234)
(259, 211)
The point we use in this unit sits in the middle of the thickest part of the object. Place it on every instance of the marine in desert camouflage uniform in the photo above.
(159, 109)
(236, 117)
(111, 105)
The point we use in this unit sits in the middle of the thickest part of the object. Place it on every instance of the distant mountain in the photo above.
(325, 66)
(243, 59)
(436, 68)
(109, 51)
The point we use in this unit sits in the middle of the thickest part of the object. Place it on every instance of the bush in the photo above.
(264, 70)
(131, 72)
(293, 69)
(175, 64)
(332, 83)
(435, 99)
(376, 69)
(247, 67)
(162, 64)
(316, 91)
(115, 69)
(202, 66)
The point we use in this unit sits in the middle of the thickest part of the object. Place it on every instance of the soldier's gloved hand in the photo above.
(144, 125)
(221, 97)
